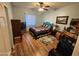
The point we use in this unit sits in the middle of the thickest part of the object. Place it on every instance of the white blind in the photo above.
(30, 20)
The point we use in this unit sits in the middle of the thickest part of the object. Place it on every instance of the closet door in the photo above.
(2, 28)
(5, 46)
(2, 45)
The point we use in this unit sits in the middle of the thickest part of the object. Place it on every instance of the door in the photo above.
(2, 42)
(8, 25)
(5, 46)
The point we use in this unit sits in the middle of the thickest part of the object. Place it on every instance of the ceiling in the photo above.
(32, 5)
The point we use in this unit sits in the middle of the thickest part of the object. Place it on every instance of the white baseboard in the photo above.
(5, 53)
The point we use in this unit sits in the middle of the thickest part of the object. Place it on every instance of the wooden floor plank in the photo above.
(29, 46)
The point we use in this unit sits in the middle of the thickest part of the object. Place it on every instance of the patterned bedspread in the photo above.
(40, 28)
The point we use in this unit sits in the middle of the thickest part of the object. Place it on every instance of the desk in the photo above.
(72, 35)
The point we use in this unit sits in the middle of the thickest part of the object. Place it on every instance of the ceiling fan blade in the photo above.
(47, 6)
(44, 6)
(46, 9)
(41, 3)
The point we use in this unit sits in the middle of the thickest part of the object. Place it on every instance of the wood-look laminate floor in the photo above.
(31, 47)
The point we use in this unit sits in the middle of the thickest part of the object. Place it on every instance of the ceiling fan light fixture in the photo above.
(40, 9)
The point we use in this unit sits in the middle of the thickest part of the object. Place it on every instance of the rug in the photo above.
(47, 39)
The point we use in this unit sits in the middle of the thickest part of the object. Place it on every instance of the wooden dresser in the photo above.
(16, 28)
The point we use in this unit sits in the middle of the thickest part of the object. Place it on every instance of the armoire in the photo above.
(16, 29)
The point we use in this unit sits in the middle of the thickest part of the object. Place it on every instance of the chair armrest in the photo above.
(58, 35)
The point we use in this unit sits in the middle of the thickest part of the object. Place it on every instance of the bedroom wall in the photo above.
(72, 11)
(76, 49)
(19, 13)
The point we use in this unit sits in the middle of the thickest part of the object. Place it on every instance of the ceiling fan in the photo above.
(43, 6)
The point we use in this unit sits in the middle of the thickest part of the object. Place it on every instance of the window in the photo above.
(30, 20)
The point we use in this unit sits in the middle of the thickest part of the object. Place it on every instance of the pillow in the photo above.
(46, 26)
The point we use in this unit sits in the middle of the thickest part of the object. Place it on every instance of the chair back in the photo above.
(65, 46)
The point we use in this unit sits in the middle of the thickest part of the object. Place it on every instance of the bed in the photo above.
(41, 30)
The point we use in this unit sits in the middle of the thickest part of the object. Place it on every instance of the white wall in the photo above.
(72, 11)
(76, 49)
(19, 13)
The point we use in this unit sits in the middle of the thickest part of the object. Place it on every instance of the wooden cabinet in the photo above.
(16, 28)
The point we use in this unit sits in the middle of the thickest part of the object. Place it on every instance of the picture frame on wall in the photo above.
(62, 19)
